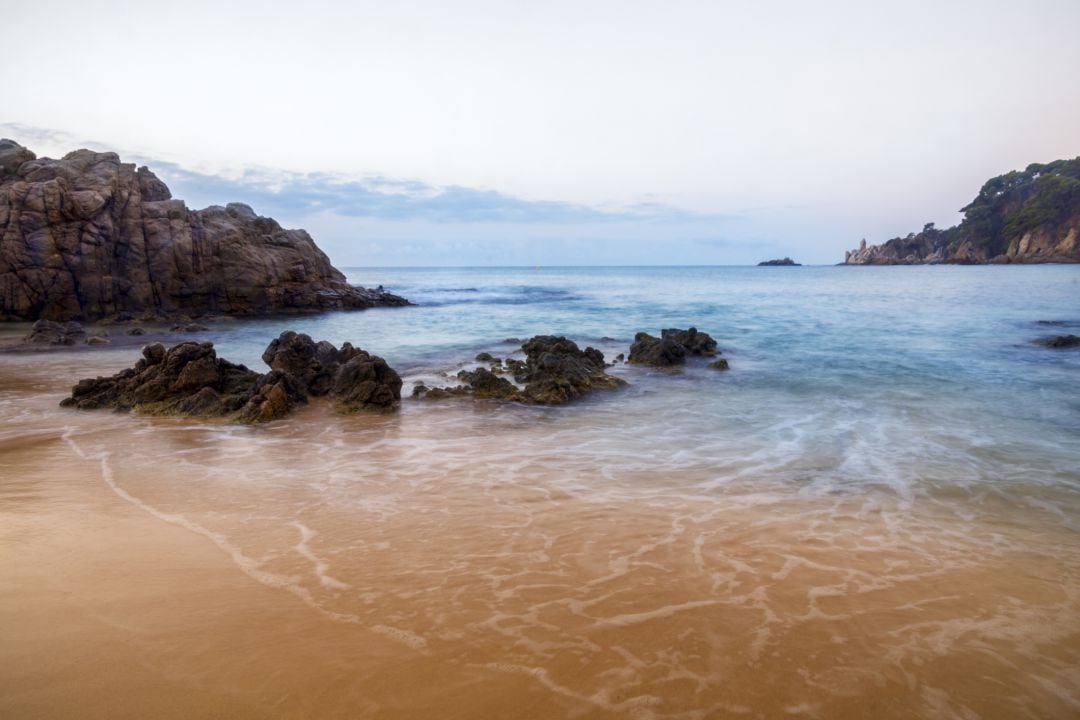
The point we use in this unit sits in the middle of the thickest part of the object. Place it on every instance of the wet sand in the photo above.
(468, 562)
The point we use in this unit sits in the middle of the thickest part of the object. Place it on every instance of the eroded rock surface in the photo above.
(47, 332)
(555, 371)
(671, 348)
(88, 237)
(189, 379)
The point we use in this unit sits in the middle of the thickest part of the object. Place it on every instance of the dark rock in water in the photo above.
(97, 340)
(620, 358)
(419, 389)
(487, 357)
(89, 237)
(671, 348)
(696, 343)
(47, 332)
(189, 327)
(788, 262)
(512, 341)
(365, 382)
(356, 379)
(1059, 341)
(720, 364)
(135, 331)
(312, 364)
(556, 370)
(189, 379)
(274, 396)
(657, 352)
(486, 384)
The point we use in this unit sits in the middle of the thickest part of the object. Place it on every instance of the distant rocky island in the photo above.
(782, 262)
(1020, 217)
(88, 237)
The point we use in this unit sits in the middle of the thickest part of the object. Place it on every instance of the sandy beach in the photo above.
(440, 561)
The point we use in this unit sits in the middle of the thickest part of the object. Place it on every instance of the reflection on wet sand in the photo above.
(481, 562)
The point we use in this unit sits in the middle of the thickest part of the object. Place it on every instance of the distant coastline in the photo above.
(1020, 217)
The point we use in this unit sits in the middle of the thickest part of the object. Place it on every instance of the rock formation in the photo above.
(671, 348)
(190, 379)
(47, 332)
(776, 263)
(555, 371)
(89, 237)
(1021, 217)
(1059, 341)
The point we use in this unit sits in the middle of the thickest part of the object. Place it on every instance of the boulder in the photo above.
(47, 332)
(486, 384)
(557, 371)
(671, 348)
(366, 382)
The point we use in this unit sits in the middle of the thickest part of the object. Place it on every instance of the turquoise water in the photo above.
(896, 375)
(876, 506)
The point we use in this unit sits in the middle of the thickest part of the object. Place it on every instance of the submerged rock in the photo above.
(47, 332)
(671, 348)
(189, 379)
(1059, 341)
(486, 384)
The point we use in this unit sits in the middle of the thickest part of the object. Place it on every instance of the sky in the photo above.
(557, 133)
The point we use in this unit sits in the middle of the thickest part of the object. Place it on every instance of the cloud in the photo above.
(272, 191)
(376, 220)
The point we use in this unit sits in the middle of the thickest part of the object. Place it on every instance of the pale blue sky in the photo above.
(562, 132)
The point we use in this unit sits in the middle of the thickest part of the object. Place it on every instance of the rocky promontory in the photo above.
(1020, 217)
(781, 262)
(89, 237)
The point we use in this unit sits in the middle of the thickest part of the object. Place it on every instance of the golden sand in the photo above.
(458, 563)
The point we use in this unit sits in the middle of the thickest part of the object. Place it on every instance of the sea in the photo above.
(875, 512)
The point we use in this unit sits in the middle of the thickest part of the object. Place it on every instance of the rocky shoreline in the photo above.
(189, 379)
(88, 237)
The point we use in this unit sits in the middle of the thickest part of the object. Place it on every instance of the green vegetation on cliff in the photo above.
(1010, 205)
(1022, 216)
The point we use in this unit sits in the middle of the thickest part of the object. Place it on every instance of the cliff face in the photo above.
(1021, 217)
(89, 237)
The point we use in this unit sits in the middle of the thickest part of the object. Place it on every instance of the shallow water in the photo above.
(875, 511)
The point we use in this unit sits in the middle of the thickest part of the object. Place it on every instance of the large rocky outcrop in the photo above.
(89, 237)
(190, 379)
(1021, 217)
